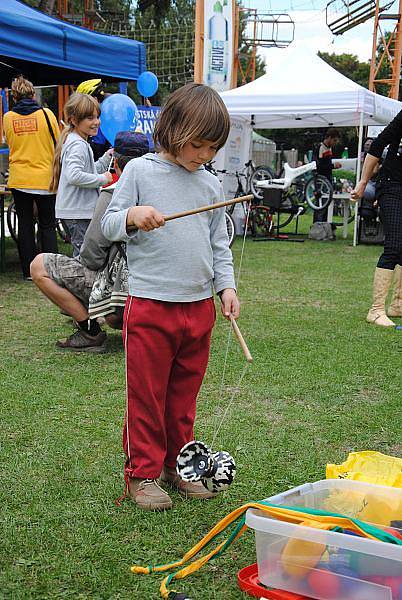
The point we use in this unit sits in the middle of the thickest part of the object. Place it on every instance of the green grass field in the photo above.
(323, 383)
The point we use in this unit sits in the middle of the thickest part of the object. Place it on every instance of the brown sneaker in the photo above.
(147, 494)
(81, 341)
(188, 489)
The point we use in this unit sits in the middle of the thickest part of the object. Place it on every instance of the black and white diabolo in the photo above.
(197, 462)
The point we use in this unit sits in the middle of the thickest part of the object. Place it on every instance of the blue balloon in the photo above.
(147, 84)
(118, 113)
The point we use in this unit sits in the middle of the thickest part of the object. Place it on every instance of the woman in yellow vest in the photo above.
(31, 133)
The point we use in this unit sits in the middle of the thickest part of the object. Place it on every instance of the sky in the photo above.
(311, 29)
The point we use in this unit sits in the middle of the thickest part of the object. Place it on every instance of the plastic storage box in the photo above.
(325, 564)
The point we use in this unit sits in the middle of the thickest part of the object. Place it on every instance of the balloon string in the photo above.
(230, 335)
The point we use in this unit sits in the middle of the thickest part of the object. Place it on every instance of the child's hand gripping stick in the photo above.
(195, 211)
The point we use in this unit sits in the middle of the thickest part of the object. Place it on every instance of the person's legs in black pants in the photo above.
(47, 222)
(389, 194)
(390, 201)
(26, 230)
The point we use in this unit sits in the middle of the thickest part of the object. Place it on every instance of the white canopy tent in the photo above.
(302, 90)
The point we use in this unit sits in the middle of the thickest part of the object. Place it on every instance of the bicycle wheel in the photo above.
(318, 192)
(288, 209)
(260, 174)
(230, 226)
(260, 221)
(63, 231)
(12, 224)
(12, 221)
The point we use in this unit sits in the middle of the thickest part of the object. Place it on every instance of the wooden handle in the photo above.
(239, 336)
(194, 211)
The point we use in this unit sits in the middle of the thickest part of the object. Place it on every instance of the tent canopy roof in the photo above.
(302, 90)
(49, 51)
(261, 139)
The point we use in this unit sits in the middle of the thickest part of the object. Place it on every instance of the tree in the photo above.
(349, 65)
(77, 6)
(46, 6)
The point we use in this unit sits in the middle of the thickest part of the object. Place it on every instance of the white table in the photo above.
(345, 198)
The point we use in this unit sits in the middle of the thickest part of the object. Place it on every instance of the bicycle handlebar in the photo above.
(209, 166)
(233, 173)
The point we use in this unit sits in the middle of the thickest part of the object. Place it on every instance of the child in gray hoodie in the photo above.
(76, 176)
(173, 273)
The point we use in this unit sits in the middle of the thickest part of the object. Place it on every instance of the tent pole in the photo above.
(199, 41)
(60, 102)
(358, 168)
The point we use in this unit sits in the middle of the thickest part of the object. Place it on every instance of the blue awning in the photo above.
(49, 51)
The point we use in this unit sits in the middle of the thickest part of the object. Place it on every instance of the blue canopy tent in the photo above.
(50, 51)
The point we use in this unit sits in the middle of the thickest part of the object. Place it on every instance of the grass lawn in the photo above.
(323, 383)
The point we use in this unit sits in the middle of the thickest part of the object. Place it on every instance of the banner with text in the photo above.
(233, 157)
(218, 44)
(146, 118)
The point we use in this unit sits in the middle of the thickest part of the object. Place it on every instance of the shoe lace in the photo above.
(118, 501)
(152, 482)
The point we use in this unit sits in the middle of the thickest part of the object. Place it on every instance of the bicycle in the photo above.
(230, 227)
(12, 224)
(299, 186)
(254, 174)
(257, 216)
(310, 187)
(12, 219)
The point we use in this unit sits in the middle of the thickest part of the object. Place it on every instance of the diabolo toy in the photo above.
(197, 462)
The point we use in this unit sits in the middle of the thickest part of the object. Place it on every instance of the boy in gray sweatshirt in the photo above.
(173, 271)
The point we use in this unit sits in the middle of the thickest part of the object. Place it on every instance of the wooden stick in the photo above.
(194, 211)
(239, 336)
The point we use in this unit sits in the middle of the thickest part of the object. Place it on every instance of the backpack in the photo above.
(322, 232)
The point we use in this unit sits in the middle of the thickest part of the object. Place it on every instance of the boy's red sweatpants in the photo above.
(167, 349)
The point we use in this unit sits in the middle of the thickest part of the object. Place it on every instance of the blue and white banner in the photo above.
(218, 44)
(146, 118)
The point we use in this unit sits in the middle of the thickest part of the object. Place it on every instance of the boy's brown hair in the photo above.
(193, 112)
(332, 132)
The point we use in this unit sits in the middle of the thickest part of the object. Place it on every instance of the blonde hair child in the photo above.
(76, 176)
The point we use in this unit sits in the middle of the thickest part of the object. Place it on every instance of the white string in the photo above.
(229, 404)
(230, 335)
(243, 245)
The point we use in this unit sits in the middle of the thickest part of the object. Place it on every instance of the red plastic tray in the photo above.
(247, 580)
